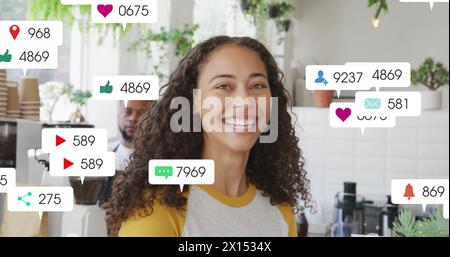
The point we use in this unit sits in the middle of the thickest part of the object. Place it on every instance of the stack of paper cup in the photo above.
(29, 98)
(13, 110)
(3, 93)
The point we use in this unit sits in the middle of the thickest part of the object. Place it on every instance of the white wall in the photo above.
(135, 62)
(88, 59)
(337, 31)
(416, 148)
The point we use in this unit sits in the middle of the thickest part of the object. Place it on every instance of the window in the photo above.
(225, 17)
(220, 17)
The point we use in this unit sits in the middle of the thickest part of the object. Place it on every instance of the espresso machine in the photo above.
(387, 217)
(20, 143)
(16, 137)
(86, 219)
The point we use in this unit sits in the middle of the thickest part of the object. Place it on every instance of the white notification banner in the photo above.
(403, 103)
(124, 11)
(348, 115)
(431, 2)
(40, 199)
(28, 56)
(83, 164)
(181, 172)
(386, 74)
(337, 77)
(72, 140)
(354, 76)
(7, 179)
(15, 33)
(421, 191)
(126, 87)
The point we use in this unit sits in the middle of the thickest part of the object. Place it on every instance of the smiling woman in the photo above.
(257, 185)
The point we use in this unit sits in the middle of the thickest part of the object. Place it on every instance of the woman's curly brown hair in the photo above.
(277, 169)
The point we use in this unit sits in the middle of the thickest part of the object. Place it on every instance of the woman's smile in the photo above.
(240, 125)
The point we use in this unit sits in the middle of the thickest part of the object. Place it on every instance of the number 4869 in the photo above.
(30, 56)
(135, 88)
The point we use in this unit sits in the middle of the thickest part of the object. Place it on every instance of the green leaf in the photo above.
(433, 226)
(372, 2)
(381, 5)
(405, 225)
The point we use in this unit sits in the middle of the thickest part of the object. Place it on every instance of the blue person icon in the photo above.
(320, 78)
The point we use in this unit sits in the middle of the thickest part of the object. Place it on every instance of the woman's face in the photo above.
(234, 96)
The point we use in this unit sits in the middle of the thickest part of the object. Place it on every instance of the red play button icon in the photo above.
(59, 140)
(67, 163)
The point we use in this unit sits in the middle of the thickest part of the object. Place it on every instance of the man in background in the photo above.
(127, 119)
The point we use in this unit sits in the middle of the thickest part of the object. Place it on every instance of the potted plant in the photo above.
(259, 11)
(323, 98)
(79, 98)
(433, 226)
(432, 75)
(256, 11)
(279, 8)
(283, 25)
(51, 93)
(245, 5)
(279, 11)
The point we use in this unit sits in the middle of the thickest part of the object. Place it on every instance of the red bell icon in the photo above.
(409, 191)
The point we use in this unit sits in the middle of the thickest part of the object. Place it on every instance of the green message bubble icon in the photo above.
(163, 171)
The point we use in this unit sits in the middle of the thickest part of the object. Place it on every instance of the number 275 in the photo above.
(47, 198)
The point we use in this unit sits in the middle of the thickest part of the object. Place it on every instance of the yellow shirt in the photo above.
(211, 213)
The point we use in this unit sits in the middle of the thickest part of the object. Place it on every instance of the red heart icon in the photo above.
(343, 114)
(104, 9)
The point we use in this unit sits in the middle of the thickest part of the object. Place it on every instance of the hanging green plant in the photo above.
(256, 11)
(245, 5)
(259, 11)
(71, 14)
(181, 38)
(283, 25)
(279, 9)
(381, 5)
